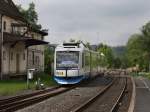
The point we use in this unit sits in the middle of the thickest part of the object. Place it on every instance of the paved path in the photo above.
(142, 95)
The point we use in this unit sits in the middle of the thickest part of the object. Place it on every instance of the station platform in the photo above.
(142, 103)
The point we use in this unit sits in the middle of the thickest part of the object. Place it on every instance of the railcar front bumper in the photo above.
(69, 80)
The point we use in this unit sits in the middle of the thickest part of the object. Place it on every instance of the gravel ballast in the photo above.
(69, 100)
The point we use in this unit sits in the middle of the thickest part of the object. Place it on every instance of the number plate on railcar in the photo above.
(60, 73)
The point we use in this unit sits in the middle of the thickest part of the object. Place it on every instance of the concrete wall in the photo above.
(9, 62)
(10, 58)
(9, 21)
(38, 51)
(38, 58)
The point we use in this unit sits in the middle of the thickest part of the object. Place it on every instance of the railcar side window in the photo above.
(87, 60)
(83, 60)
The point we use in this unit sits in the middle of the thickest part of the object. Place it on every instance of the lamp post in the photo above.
(102, 55)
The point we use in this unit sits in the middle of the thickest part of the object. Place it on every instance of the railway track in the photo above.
(116, 104)
(19, 97)
(21, 101)
(89, 105)
(18, 102)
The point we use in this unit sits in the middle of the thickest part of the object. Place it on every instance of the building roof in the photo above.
(42, 32)
(8, 8)
(10, 38)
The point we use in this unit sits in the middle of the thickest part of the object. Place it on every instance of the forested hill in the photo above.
(119, 51)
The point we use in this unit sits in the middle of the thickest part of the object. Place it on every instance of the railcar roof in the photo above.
(73, 47)
(69, 49)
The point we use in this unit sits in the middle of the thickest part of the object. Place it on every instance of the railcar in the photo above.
(74, 62)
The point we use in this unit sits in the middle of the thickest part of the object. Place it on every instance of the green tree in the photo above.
(108, 57)
(117, 63)
(124, 61)
(48, 59)
(72, 40)
(138, 48)
(133, 49)
(146, 29)
(31, 16)
(88, 45)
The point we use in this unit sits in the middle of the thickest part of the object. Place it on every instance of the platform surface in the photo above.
(142, 95)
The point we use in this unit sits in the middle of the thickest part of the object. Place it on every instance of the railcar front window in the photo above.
(68, 59)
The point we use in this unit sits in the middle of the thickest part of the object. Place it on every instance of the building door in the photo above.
(17, 63)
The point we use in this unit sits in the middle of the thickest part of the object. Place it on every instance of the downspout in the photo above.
(1, 49)
(9, 60)
(27, 59)
(26, 47)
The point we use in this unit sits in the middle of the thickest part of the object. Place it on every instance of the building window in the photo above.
(33, 57)
(12, 56)
(6, 1)
(4, 27)
(24, 56)
(0, 22)
(42, 38)
(32, 35)
(4, 55)
(37, 59)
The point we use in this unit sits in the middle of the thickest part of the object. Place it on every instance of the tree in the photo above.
(31, 16)
(108, 54)
(48, 59)
(124, 61)
(138, 48)
(134, 48)
(120, 57)
(88, 45)
(146, 29)
(117, 63)
(72, 40)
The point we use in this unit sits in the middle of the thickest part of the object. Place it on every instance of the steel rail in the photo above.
(116, 105)
(91, 100)
(18, 102)
(20, 97)
(15, 105)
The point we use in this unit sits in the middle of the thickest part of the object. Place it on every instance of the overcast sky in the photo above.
(94, 21)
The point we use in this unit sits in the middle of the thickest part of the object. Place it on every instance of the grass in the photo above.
(134, 74)
(47, 80)
(143, 74)
(11, 87)
(147, 75)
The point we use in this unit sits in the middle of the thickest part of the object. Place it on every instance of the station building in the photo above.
(21, 47)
